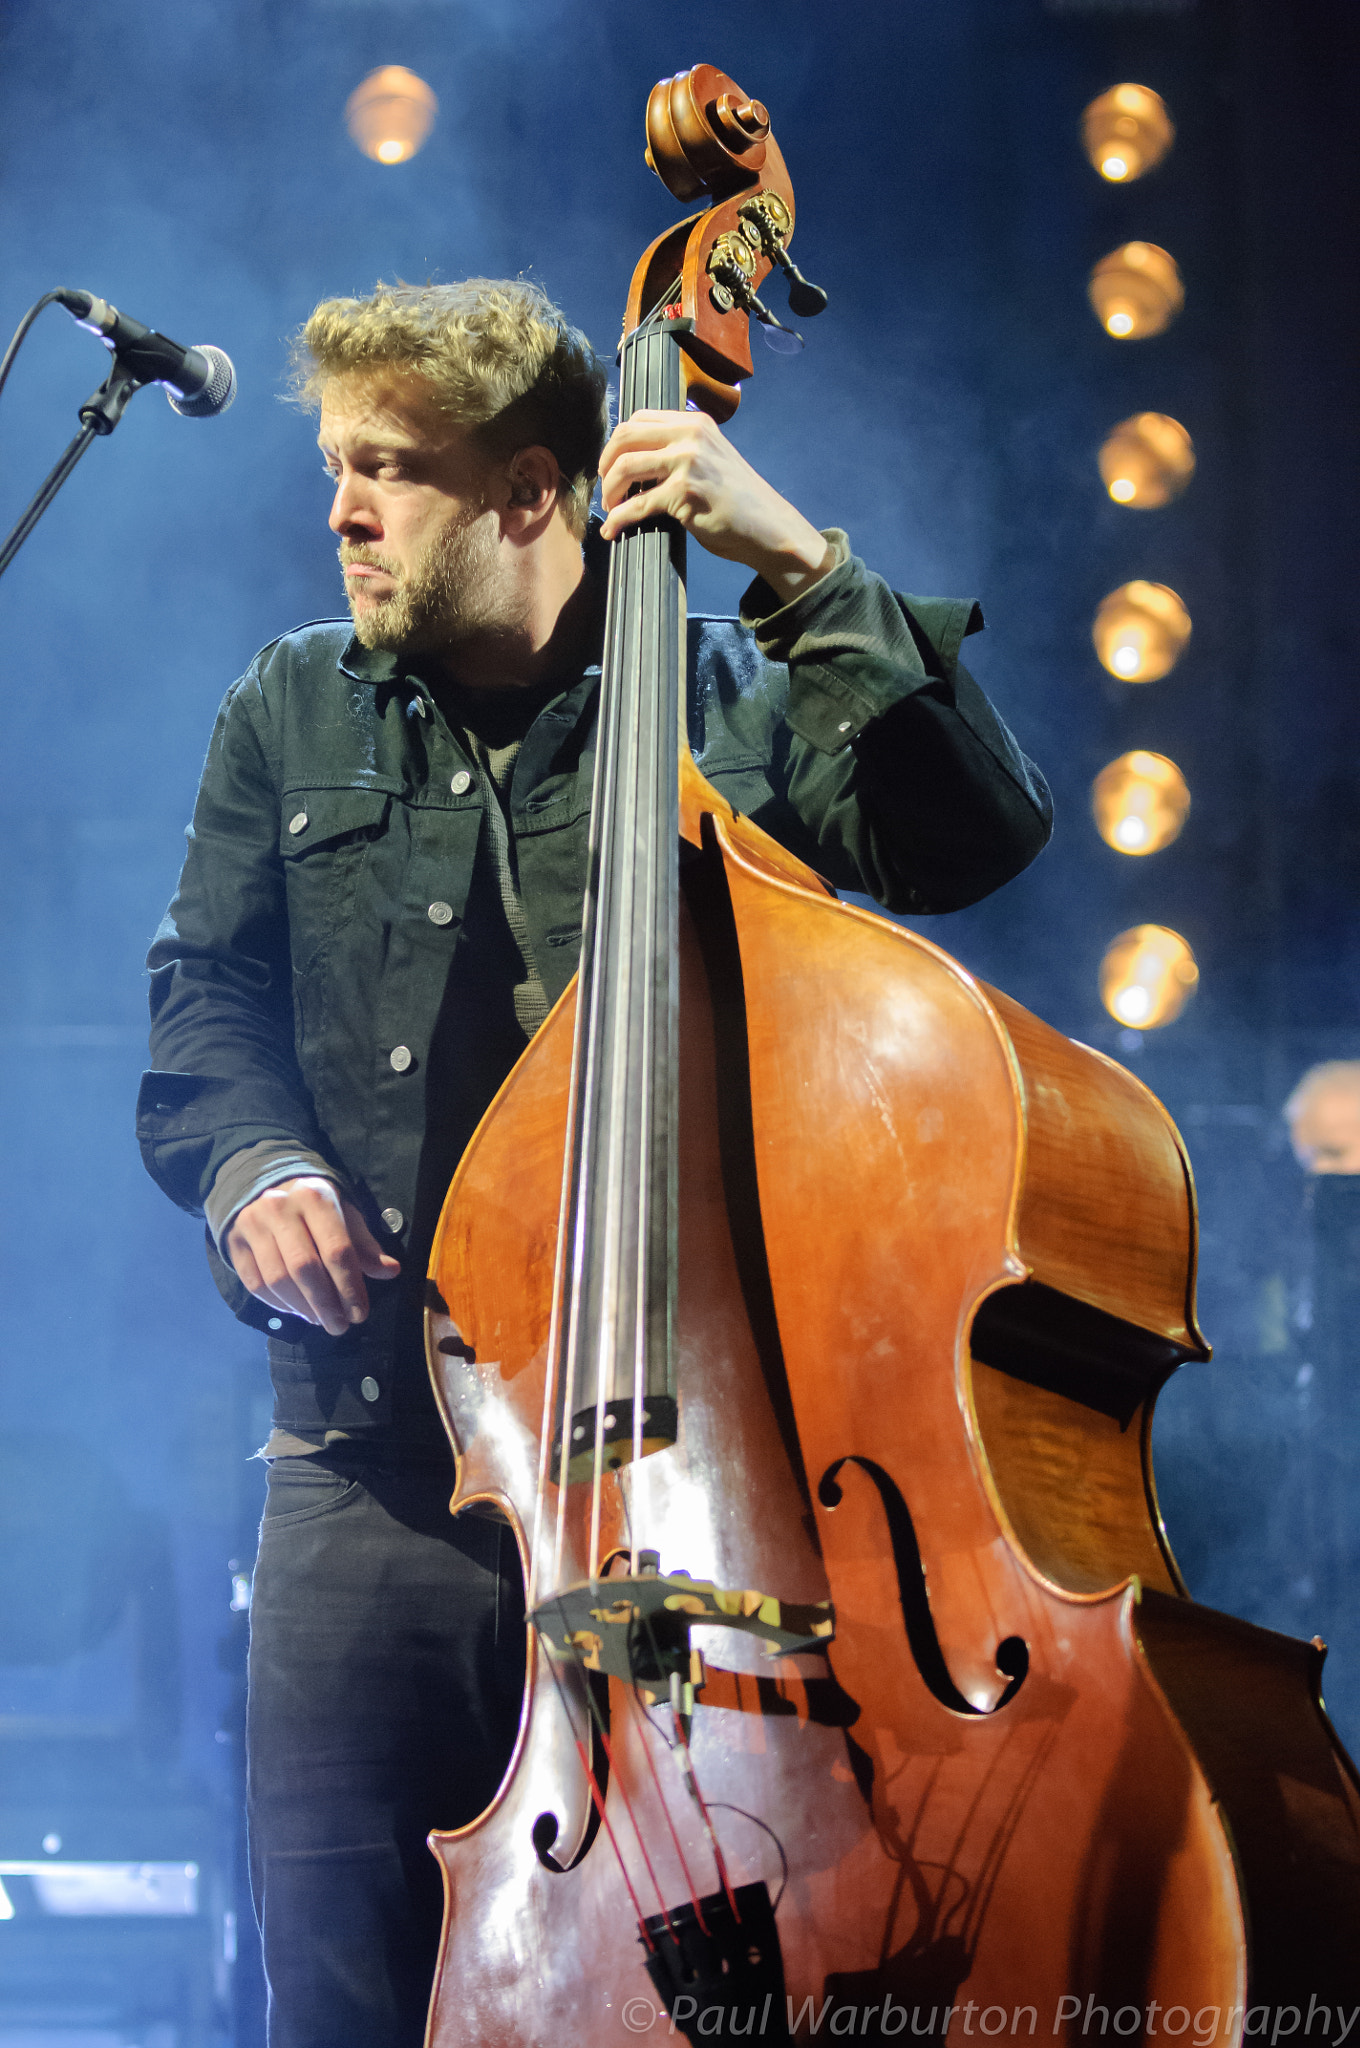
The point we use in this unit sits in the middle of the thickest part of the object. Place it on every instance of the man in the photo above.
(1323, 1115)
(1320, 1516)
(382, 898)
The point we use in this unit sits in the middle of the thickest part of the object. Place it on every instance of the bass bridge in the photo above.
(637, 1629)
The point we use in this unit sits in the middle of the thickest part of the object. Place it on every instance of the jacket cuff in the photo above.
(249, 1172)
(854, 648)
(189, 1125)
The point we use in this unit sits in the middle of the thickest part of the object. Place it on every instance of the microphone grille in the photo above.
(219, 391)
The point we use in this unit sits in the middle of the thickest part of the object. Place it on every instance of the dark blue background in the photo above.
(188, 159)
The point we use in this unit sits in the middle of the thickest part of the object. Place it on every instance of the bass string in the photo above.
(578, 1163)
(634, 948)
(560, 1370)
(616, 955)
(599, 1797)
(623, 1050)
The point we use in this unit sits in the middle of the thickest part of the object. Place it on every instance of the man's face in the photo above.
(1326, 1130)
(419, 531)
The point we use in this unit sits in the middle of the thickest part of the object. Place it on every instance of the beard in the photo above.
(449, 594)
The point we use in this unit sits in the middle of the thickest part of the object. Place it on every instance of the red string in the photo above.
(683, 1740)
(628, 1809)
(598, 1797)
(651, 1765)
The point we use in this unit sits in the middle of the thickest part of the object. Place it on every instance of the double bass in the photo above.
(800, 1304)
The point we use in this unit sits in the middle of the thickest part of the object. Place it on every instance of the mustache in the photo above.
(365, 558)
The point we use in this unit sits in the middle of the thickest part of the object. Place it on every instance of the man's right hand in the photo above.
(301, 1247)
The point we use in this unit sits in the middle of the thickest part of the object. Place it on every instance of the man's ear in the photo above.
(535, 482)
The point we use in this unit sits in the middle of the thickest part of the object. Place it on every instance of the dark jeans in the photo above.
(386, 1668)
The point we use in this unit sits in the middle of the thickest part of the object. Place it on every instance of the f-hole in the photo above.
(545, 1828)
(1012, 1655)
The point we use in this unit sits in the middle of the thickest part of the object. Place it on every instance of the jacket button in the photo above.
(276, 1322)
(844, 725)
(369, 1387)
(440, 913)
(299, 823)
(394, 1219)
(462, 782)
(400, 1058)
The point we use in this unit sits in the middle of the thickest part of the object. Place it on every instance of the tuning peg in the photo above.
(806, 300)
(780, 338)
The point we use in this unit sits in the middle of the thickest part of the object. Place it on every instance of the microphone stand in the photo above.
(99, 415)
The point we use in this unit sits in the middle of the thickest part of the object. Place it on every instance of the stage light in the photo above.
(1140, 803)
(1136, 291)
(1147, 977)
(1126, 132)
(1147, 460)
(390, 114)
(1140, 631)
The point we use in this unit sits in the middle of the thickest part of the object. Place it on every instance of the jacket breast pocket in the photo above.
(324, 840)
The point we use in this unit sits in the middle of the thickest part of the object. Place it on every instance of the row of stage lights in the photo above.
(1140, 631)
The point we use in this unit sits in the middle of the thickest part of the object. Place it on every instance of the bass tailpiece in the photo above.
(721, 1978)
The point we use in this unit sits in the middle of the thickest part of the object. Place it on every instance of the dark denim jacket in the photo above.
(337, 807)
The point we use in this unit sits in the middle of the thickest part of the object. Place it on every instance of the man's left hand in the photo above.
(691, 473)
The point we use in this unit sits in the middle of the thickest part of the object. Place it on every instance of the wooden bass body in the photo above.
(935, 1261)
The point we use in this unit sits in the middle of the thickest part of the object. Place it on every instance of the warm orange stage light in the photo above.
(1140, 631)
(1136, 291)
(1126, 132)
(1147, 977)
(390, 114)
(1140, 803)
(1147, 460)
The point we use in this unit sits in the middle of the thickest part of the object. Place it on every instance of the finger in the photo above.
(236, 1245)
(277, 1290)
(243, 1259)
(653, 504)
(291, 1307)
(304, 1272)
(643, 430)
(332, 1235)
(252, 1246)
(641, 466)
(648, 416)
(373, 1260)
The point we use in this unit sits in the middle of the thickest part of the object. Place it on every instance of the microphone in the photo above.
(199, 381)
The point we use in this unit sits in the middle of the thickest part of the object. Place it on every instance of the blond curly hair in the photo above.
(498, 356)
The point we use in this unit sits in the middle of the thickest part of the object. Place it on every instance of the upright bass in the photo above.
(800, 1303)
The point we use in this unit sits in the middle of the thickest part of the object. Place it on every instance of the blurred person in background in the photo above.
(1323, 1114)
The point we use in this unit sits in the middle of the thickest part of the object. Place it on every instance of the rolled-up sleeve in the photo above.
(908, 782)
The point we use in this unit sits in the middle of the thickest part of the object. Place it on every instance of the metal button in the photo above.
(400, 1057)
(394, 1219)
(299, 823)
(440, 913)
(462, 782)
(844, 725)
(369, 1387)
(276, 1322)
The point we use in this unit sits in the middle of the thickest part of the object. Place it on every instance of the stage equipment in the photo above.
(1140, 803)
(1136, 291)
(203, 381)
(1147, 977)
(1147, 461)
(390, 114)
(1140, 631)
(1126, 132)
(800, 1305)
(199, 382)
